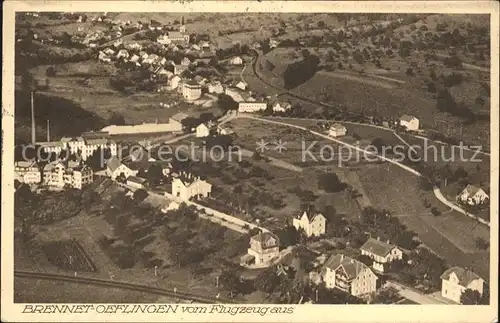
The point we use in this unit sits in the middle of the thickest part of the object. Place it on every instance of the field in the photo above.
(89, 228)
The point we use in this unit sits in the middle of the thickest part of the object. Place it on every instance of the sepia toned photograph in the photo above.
(266, 159)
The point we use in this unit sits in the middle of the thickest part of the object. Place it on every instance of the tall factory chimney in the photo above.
(33, 124)
(48, 130)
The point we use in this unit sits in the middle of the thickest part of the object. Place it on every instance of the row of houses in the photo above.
(84, 146)
(57, 174)
(348, 274)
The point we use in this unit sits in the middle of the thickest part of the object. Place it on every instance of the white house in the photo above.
(251, 106)
(224, 130)
(472, 195)
(236, 60)
(456, 280)
(115, 168)
(349, 275)
(241, 85)
(263, 251)
(191, 91)
(337, 130)
(410, 122)
(187, 186)
(215, 87)
(281, 106)
(27, 172)
(58, 174)
(313, 224)
(173, 82)
(122, 53)
(170, 207)
(382, 253)
(203, 130)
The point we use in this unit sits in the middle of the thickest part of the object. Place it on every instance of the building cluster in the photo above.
(56, 174)
(83, 146)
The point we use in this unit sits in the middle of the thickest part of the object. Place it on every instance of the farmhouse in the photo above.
(191, 91)
(251, 106)
(349, 275)
(472, 195)
(241, 85)
(281, 106)
(27, 172)
(382, 253)
(115, 168)
(170, 207)
(122, 53)
(178, 37)
(410, 122)
(263, 251)
(224, 130)
(176, 120)
(456, 280)
(337, 130)
(137, 182)
(203, 130)
(173, 82)
(179, 69)
(236, 60)
(313, 224)
(187, 186)
(215, 87)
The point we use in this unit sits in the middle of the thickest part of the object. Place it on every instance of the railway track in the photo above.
(122, 285)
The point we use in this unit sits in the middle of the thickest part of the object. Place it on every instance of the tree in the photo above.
(140, 195)
(331, 183)
(409, 71)
(388, 295)
(154, 174)
(116, 119)
(226, 103)
(365, 259)
(51, 71)
(288, 236)
(481, 243)
(470, 297)
(267, 281)
(97, 160)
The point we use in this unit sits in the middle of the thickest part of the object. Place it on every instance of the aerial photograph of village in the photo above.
(256, 158)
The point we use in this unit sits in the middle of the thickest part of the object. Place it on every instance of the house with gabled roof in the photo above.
(137, 182)
(263, 250)
(313, 223)
(186, 186)
(455, 280)
(337, 130)
(409, 122)
(472, 195)
(176, 120)
(115, 168)
(349, 275)
(382, 253)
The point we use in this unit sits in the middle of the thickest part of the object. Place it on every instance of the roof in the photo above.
(97, 141)
(377, 247)
(310, 215)
(465, 276)
(113, 163)
(136, 179)
(26, 163)
(179, 116)
(263, 237)
(337, 126)
(407, 117)
(351, 266)
(175, 34)
(192, 83)
(471, 190)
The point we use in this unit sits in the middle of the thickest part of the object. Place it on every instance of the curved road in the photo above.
(121, 285)
(436, 190)
(322, 104)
